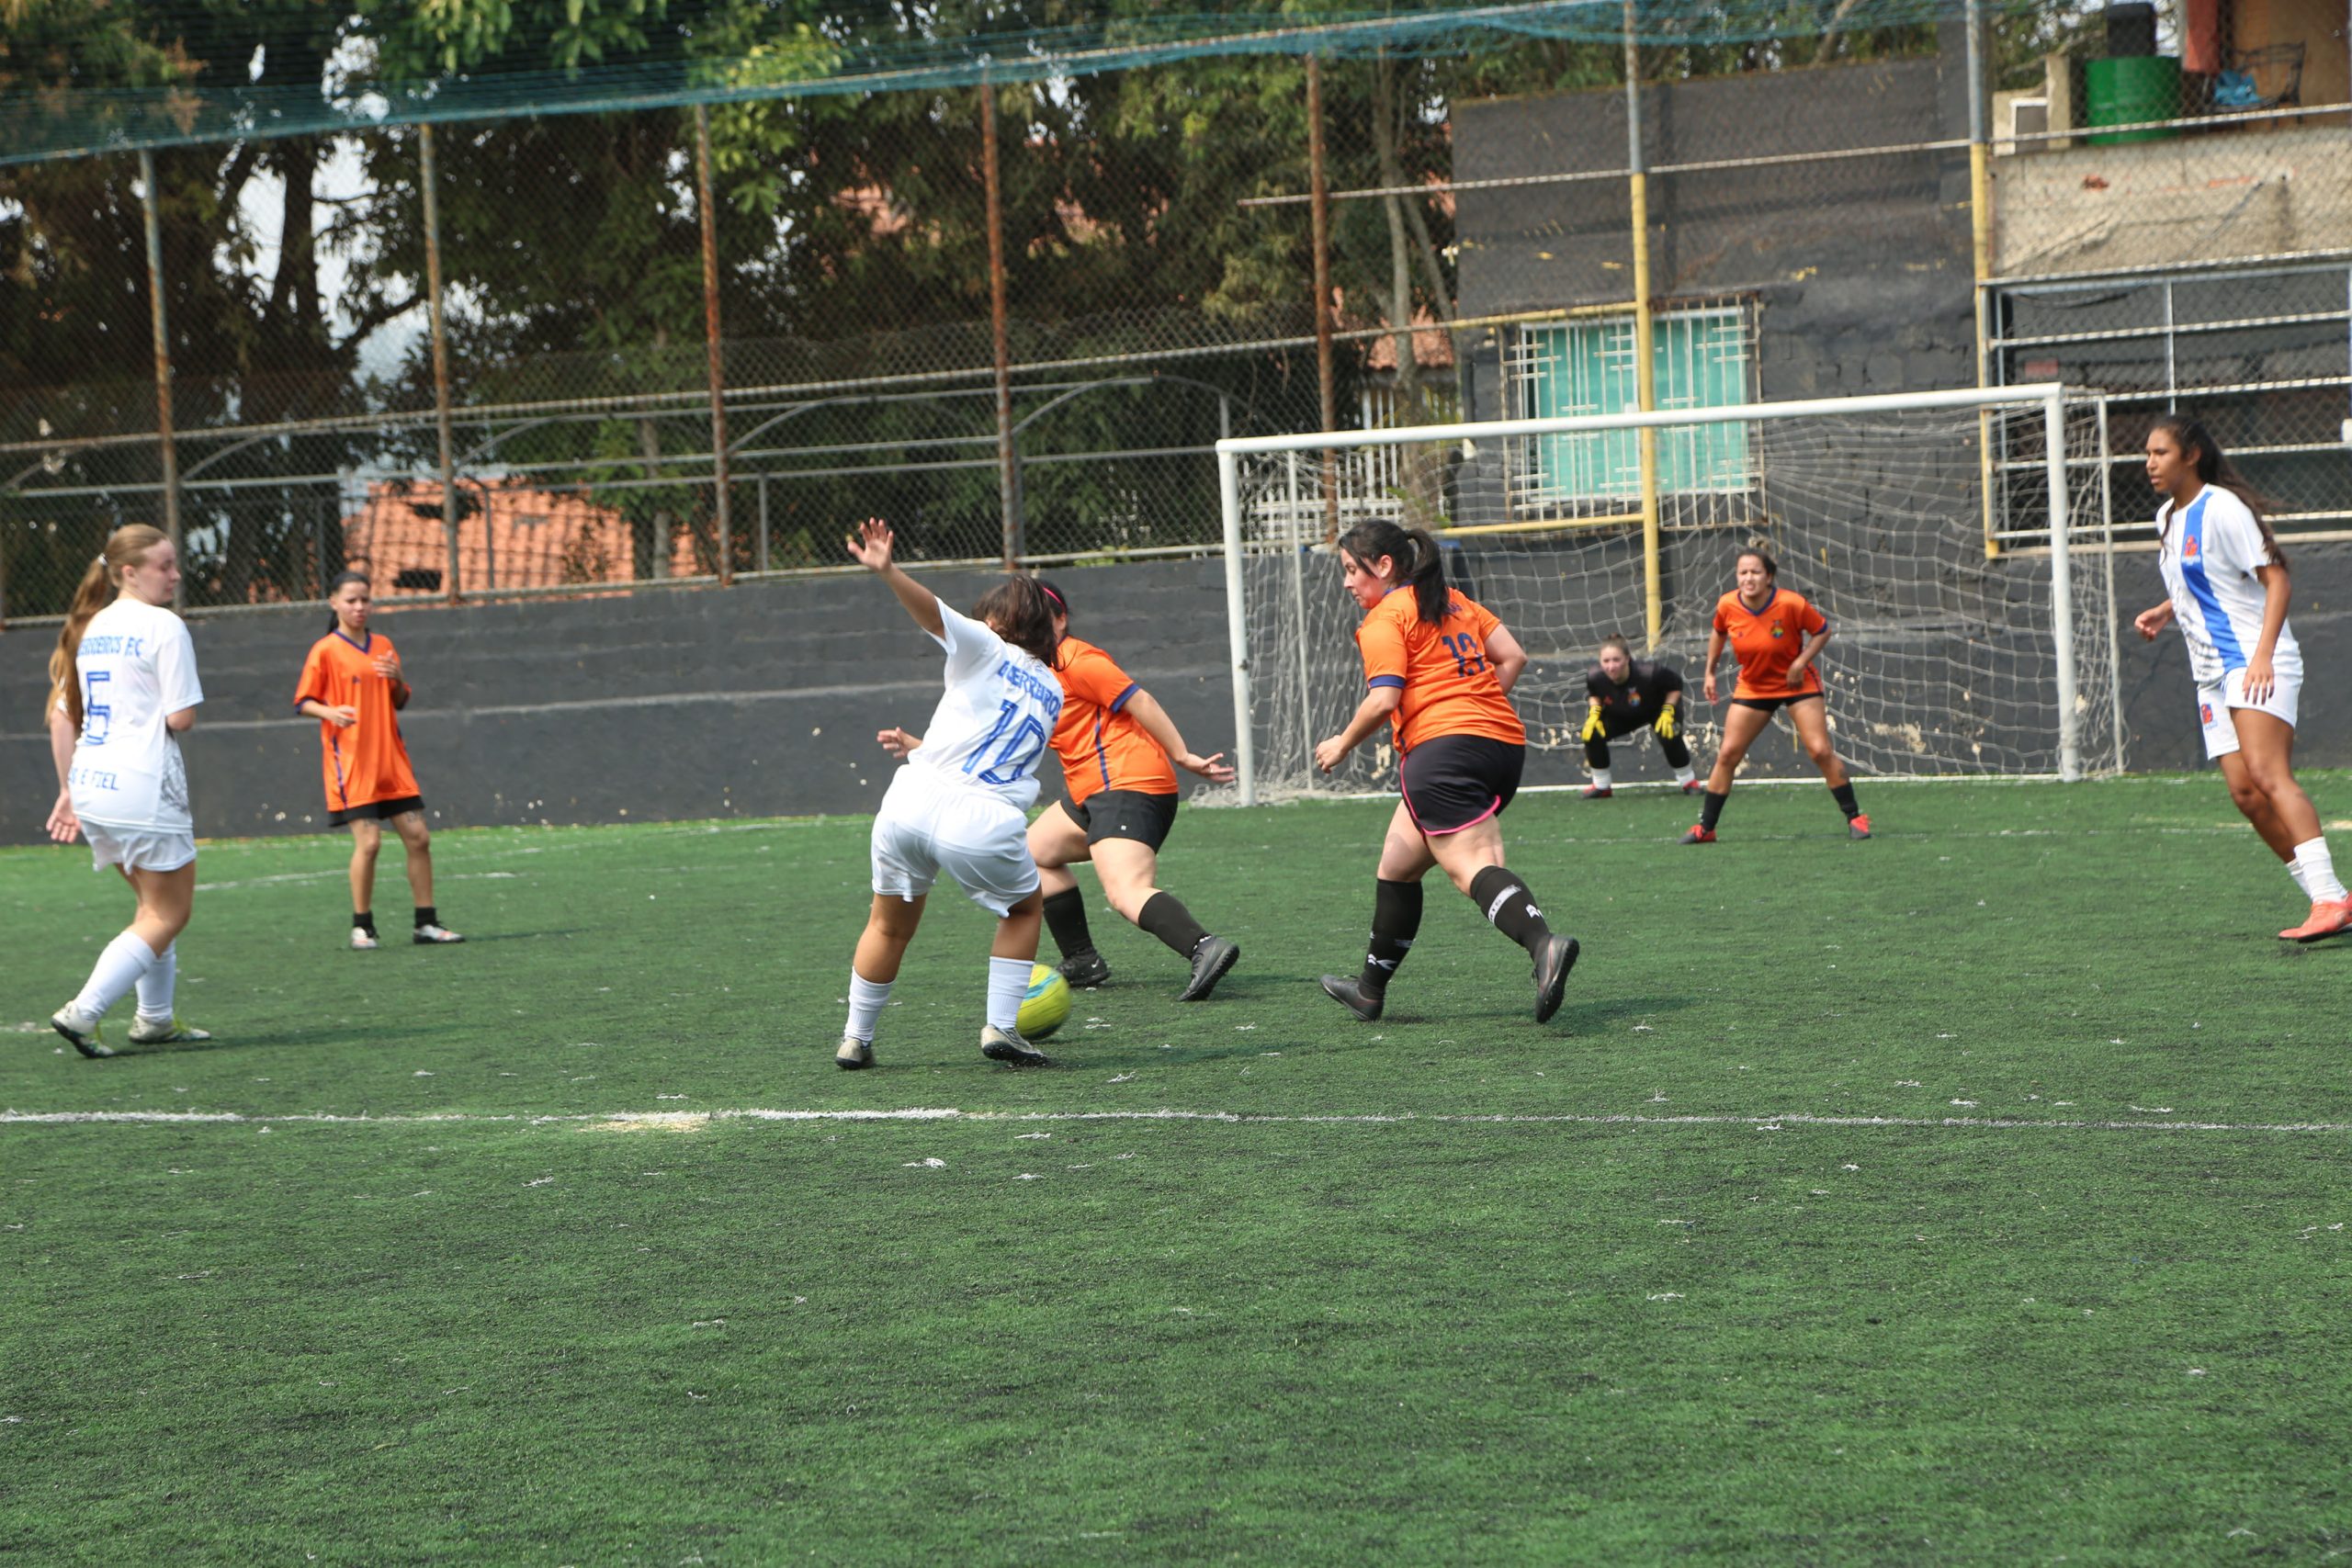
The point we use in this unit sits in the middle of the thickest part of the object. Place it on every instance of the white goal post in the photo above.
(1953, 656)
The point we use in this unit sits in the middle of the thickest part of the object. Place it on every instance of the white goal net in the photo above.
(1949, 658)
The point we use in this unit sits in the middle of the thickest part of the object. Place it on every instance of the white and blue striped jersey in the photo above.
(994, 721)
(2208, 554)
(136, 668)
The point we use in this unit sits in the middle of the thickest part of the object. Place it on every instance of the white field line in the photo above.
(1232, 1118)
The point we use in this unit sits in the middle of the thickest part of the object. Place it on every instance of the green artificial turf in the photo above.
(1974, 1193)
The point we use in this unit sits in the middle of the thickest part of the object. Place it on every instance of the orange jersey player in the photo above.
(352, 684)
(1776, 634)
(1119, 751)
(1438, 670)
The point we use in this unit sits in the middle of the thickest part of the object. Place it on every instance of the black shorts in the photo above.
(1774, 705)
(376, 810)
(1458, 781)
(1617, 724)
(1125, 813)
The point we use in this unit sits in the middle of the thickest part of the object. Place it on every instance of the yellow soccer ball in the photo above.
(1045, 1006)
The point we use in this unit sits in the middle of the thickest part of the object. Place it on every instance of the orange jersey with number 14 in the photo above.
(1449, 684)
(368, 762)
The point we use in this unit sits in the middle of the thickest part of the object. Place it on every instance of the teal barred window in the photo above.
(1702, 359)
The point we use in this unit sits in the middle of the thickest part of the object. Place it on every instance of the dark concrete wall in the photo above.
(760, 701)
(1858, 268)
(763, 700)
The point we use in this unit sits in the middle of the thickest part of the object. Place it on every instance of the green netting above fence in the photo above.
(45, 113)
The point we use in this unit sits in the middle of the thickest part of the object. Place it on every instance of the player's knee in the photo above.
(1822, 752)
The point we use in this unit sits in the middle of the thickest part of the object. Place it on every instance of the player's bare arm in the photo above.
(1161, 729)
(1505, 657)
(63, 826)
(1714, 657)
(1804, 660)
(343, 715)
(181, 722)
(1371, 714)
(2151, 623)
(2261, 679)
(901, 743)
(872, 547)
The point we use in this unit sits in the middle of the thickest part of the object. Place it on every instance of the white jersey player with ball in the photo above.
(2226, 587)
(960, 804)
(123, 687)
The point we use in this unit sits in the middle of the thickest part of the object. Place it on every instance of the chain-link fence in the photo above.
(1010, 293)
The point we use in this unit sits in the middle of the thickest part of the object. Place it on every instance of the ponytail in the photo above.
(2214, 468)
(1421, 563)
(98, 587)
(1022, 614)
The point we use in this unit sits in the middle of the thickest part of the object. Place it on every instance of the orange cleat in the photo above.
(1693, 787)
(1702, 834)
(2326, 920)
(1596, 792)
(1857, 827)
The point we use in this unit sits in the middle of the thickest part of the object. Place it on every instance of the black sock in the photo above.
(1066, 917)
(1845, 794)
(1675, 751)
(1711, 809)
(1165, 917)
(1596, 754)
(427, 915)
(364, 922)
(1504, 898)
(1396, 921)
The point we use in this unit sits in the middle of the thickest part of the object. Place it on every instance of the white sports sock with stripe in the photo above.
(2318, 872)
(119, 968)
(1008, 984)
(155, 986)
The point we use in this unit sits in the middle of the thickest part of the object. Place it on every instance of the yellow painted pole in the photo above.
(1645, 361)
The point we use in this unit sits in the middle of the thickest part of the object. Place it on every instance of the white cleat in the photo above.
(165, 1031)
(1004, 1045)
(363, 940)
(428, 935)
(854, 1054)
(82, 1029)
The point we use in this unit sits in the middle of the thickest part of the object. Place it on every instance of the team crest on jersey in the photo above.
(1779, 630)
(2189, 547)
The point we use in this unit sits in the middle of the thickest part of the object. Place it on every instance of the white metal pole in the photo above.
(1298, 614)
(2107, 562)
(2062, 586)
(1237, 627)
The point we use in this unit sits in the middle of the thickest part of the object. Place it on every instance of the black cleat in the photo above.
(1354, 996)
(1007, 1046)
(1551, 966)
(1085, 971)
(1210, 961)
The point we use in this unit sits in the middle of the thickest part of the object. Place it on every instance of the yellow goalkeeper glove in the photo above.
(1593, 729)
(1665, 721)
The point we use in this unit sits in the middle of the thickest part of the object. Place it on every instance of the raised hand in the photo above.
(871, 546)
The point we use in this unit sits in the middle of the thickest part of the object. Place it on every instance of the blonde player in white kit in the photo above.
(123, 684)
(960, 804)
(2226, 584)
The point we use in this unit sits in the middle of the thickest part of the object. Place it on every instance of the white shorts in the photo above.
(2214, 703)
(980, 839)
(138, 849)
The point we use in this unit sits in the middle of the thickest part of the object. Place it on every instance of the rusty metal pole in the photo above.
(1325, 377)
(1008, 461)
(719, 477)
(450, 501)
(167, 444)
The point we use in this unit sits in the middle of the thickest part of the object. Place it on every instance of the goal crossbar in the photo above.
(2050, 396)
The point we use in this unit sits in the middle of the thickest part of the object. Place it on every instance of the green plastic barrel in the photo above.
(2132, 92)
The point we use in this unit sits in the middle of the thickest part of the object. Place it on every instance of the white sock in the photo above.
(866, 999)
(1008, 984)
(2295, 870)
(155, 986)
(1685, 775)
(2318, 872)
(119, 968)
(1600, 777)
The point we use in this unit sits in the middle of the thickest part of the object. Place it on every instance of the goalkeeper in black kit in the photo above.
(1630, 694)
